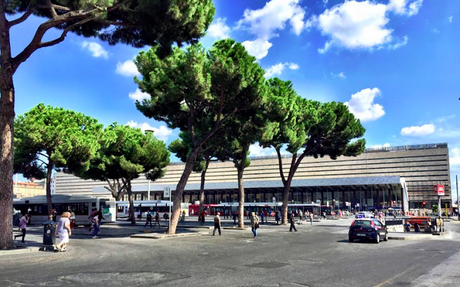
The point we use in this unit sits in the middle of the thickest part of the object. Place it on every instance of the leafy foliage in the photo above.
(61, 138)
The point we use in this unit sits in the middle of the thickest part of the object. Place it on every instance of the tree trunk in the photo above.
(203, 179)
(177, 200)
(49, 201)
(284, 207)
(240, 167)
(131, 202)
(6, 161)
(6, 150)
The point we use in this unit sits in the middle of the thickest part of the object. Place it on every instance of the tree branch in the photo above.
(24, 17)
(280, 166)
(51, 8)
(64, 33)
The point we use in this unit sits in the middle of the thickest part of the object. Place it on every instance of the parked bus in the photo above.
(210, 209)
(82, 206)
(144, 206)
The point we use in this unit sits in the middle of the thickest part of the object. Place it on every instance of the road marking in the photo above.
(394, 277)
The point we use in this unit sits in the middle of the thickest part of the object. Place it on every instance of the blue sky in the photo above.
(394, 62)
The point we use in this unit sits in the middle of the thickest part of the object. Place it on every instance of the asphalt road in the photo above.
(318, 255)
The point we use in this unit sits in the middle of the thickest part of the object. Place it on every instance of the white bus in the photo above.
(144, 206)
(82, 206)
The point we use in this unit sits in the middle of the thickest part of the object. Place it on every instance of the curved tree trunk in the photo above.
(177, 198)
(203, 180)
(131, 202)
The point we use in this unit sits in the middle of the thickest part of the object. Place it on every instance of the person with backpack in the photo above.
(254, 223)
(217, 224)
(149, 219)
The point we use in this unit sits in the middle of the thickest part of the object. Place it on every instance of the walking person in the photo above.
(64, 231)
(54, 214)
(277, 217)
(254, 223)
(90, 218)
(95, 226)
(203, 217)
(72, 219)
(292, 222)
(99, 217)
(300, 214)
(157, 219)
(234, 217)
(262, 216)
(23, 226)
(149, 219)
(217, 224)
(311, 218)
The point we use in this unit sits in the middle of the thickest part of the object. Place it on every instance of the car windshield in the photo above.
(363, 222)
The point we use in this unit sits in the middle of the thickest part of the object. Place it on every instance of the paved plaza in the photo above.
(317, 255)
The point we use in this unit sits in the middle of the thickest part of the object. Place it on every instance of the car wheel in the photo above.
(377, 238)
(386, 237)
(350, 239)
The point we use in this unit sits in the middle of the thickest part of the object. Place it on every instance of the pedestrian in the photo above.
(277, 217)
(217, 224)
(311, 218)
(23, 226)
(183, 216)
(157, 219)
(72, 219)
(292, 222)
(266, 216)
(54, 214)
(64, 231)
(234, 218)
(149, 219)
(300, 214)
(90, 218)
(203, 217)
(100, 217)
(262, 216)
(95, 226)
(254, 223)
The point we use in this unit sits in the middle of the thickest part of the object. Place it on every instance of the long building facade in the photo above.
(402, 176)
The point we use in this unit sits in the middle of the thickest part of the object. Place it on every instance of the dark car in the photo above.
(364, 228)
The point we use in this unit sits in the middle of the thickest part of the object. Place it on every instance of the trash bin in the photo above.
(49, 236)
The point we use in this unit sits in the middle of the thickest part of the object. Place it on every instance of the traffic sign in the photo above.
(167, 192)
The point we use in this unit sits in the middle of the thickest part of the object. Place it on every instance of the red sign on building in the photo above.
(439, 190)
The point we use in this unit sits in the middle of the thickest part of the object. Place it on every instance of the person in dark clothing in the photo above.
(292, 222)
(54, 214)
(149, 219)
(277, 217)
(99, 216)
(234, 218)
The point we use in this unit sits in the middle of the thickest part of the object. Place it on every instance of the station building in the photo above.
(400, 176)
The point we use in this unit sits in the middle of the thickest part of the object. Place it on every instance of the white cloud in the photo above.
(381, 146)
(405, 7)
(454, 158)
(399, 44)
(96, 49)
(138, 95)
(293, 66)
(355, 25)
(362, 105)
(257, 150)
(451, 18)
(436, 31)
(418, 130)
(257, 48)
(265, 22)
(363, 25)
(127, 68)
(219, 30)
(161, 133)
(279, 68)
(339, 75)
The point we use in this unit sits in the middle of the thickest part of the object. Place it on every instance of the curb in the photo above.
(415, 237)
(166, 236)
(18, 251)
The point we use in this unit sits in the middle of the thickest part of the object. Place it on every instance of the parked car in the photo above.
(368, 228)
(364, 214)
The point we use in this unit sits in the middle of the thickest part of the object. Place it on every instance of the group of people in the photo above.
(150, 219)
